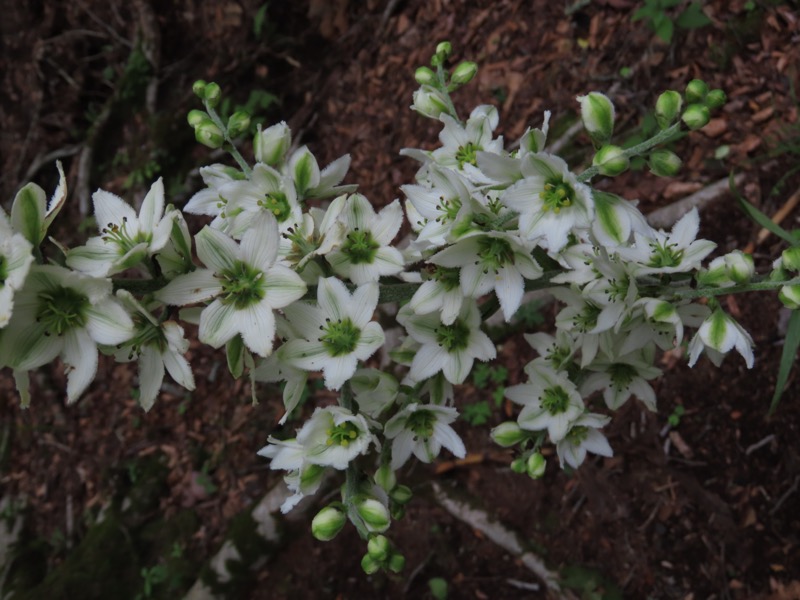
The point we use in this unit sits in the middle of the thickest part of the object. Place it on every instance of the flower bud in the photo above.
(668, 107)
(536, 465)
(429, 102)
(696, 91)
(195, 117)
(518, 465)
(444, 49)
(424, 76)
(397, 562)
(696, 116)
(401, 494)
(212, 94)
(386, 478)
(271, 145)
(375, 515)
(464, 73)
(597, 113)
(789, 295)
(739, 266)
(715, 99)
(378, 548)
(611, 161)
(328, 523)
(790, 259)
(508, 434)
(369, 565)
(198, 87)
(238, 123)
(208, 134)
(664, 163)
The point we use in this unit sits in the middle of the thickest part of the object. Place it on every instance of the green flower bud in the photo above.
(198, 87)
(238, 123)
(696, 116)
(378, 547)
(212, 93)
(518, 465)
(508, 434)
(424, 76)
(790, 259)
(271, 145)
(429, 102)
(664, 163)
(208, 134)
(444, 49)
(739, 266)
(789, 295)
(611, 161)
(195, 117)
(369, 565)
(597, 113)
(401, 494)
(397, 562)
(696, 91)
(715, 99)
(328, 523)
(386, 478)
(464, 73)
(668, 107)
(397, 511)
(536, 465)
(375, 515)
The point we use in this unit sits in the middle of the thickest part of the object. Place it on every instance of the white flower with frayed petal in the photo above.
(623, 377)
(584, 437)
(318, 232)
(335, 334)
(441, 293)
(366, 253)
(303, 478)
(209, 200)
(334, 436)
(556, 351)
(62, 313)
(156, 345)
(550, 201)
(549, 400)
(245, 283)
(16, 259)
(718, 335)
(126, 238)
(423, 430)
(451, 349)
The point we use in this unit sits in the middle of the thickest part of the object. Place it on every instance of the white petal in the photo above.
(152, 207)
(257, 326)
(333, 298)
(457, 367)
(428, 361)
(179, 369)
(363, 304)
(388, 223)
(447, 436)
(339, 369)
(282, 286)
(260, 242)
(218, 323)
(216, 250)
(198, 286)
(110, 209)
(108, 323)
(80, 356)
(402, 446)
(151, 375)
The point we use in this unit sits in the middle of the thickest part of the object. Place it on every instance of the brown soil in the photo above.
(702, 510)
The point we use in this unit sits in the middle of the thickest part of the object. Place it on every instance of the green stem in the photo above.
(232, 150)
(756, 286)
(443, 87)
(662, 137)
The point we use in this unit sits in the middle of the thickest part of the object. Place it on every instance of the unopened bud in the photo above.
(444, 49)
(715, 99)
(739, 266)
(536, 465)
(238, 123)
(789, 295)
(397, 562)
(464, 73)
(401, 494)
(198, 87)
(328, 523)
(790, 259)
(208, 134)
(696, 116)
(212, 93)
(696, 91)
(611, 160)
(664, 163)
(378, 548)
(271, 145)
(597, 113)
(375, 515)
(386, 478)
(369, 565)
(429, 102)
(668, 107)
(518, 465)
(508, 434)
(195, 117)
(424, 76)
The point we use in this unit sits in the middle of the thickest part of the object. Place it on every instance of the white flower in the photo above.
(451, 349)
(244, 282)
(157, 345)
(440, 293)
(556, 351)
(336, 333)
(303, 478)
(316, 234)
(126, 238)
(209, 201)
(62, 313)
(583, 437)
(274, 370)
(550, 201)
(461, 143)
(718, 335)
(366, 254)
(334, 436)
(374, 391)
(15, 260)
(623, 377)
(550, 401)
(423, 430)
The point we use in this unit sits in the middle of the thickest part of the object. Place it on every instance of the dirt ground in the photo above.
(704, 509)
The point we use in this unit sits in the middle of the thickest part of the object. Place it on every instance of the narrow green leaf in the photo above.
(693, 17)
(758, 216)
(665, 30)
(790, 345)
(234, 350)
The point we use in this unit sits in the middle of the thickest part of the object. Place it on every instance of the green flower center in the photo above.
(494, 253)
(555, 400)
(147, 334)
(277, 204)
(587, 319)
(558, 356)
(242, 285)
(360, 248)
(621, 375)
(421, 423)
(62, 309)
(340, 337)
(577, 435)
(665, 256)
(342, 435)
(122, 238)
(448, 209)
(557, 195)
(467, 153)
(453, 337)
(447, 276)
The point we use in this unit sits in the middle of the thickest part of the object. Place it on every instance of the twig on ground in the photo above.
(753, 447)
(785, 496)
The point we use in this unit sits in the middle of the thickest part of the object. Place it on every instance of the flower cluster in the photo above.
(294, 265)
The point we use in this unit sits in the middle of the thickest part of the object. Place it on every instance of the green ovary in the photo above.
(621, 375)
(421, 423)
(61, 310)
(448, 277)
(360, 248)
(665, 256)
(119, 236)
(340, 337)
(341, 435)
(467, 153)
(555, 400)
(495, 253)
(557, 195)
(453, 337)
(277, 204)
(242, 285)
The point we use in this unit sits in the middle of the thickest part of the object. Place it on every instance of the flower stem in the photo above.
(232, 150)
(756, 286)
(443, 87)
